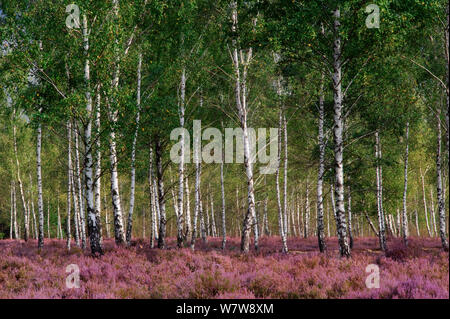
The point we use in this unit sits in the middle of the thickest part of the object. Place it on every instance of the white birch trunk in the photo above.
(321, 171)
(19, 180)
(222, 190)
(440, 198)
(77, 176)
(197, 195)
(133, 153)
(349, 208)
(39, 187)
(241, 105)
(277, 180)
(188, 213)
(381, 222)
(181, 109)
(93, 218)
(161, 195)
(69, 183)
(98, 165)
(338, 138)
(405, 232)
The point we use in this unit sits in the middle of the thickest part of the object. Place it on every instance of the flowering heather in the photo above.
(420, 271)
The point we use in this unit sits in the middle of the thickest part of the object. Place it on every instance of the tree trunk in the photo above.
(285, 204)
(180, 217)
(19, 180)
(350, 230)
(222, 189)
(371, 224)
(98, 167)
(213, 218)
(188, 214)
(241, 105)
(14, 201)
(93, 219)
(277, 180)
(11, 224)
(39, 186)
(338, 140)
(153, 234)
(69, 183)
(405, 232)
(77, 176)
(321, 142)
(440, 198)
(307, 211)
(381, 222)
(113, 116)
(198, 169)
(161, 195)
(202, 221)
(133, 154)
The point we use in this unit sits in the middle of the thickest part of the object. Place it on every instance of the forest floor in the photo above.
(421, 271)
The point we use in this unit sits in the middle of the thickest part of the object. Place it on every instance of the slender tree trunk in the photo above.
(11, 225)
(198, 169)
(425, 201)
(76, 217)
(202, 221)
(93, 218)
(19, 180)
(338, 140)
(350, 230)
(371, 224)
(266, 218)
(39, 186)
(241, 105)
(48, 218)
(79, 191)
(321, 142)
(153, 234)
(328, 219)
(133, 153)
(405, 232)
(107, 222)
(213, 218)
(440, 198)
(161, 195)
(222, 189)
(381, 222)
(69, 183)
(285, 204)
(113, 116)
(180, 217)
(98, 166)
(188, 214)
(307, 211)
(15, 226)
(115, 194)
(277, 180)
(59, 222)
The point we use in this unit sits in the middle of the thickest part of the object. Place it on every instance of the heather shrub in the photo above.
(141, 272)
(397, 250)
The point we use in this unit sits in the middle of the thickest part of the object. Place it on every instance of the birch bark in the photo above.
(241, 105)
(405, 232)
(381, 222)
(161, 195)
(440, 198)
(338, 140)
(133, 153)
(93, 219)
(321, 171)
(39, 186)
